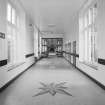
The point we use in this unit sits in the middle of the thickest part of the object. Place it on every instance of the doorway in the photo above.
(52, 46)
(52, 49)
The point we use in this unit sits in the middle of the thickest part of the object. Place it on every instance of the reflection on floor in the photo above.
(56, 77)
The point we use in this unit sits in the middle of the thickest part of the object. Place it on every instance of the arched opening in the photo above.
(52, 49)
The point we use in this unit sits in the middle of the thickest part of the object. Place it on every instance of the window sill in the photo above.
(91, 65)
(10, 67)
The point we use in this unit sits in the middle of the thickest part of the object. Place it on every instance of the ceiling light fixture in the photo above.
(51, 25)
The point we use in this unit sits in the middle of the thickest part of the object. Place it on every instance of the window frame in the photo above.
(12, 35)
(88, 35)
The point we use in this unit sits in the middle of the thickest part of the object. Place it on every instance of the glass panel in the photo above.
(86, 20)
(9, 12)
(9, 37)
(94, 12)
(13, 16)
(90, 16)
(86, 50)
(9, 34)
(90, 44)
(17, 18)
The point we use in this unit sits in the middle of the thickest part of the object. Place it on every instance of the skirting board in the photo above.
(29, 55)
(94, 80)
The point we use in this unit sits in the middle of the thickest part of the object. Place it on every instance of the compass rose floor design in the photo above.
(53, 89)
(61, 84)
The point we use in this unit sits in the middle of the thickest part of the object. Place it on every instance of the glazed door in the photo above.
(59, 47)
(70, 52)
(44, 48)
(74, 53)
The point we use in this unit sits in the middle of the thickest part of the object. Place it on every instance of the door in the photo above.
(44, 48)
(59, 46)
(74, 53)
(70, 51)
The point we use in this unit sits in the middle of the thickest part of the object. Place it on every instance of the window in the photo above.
(12, 27)
(11, 14)
(87, 37)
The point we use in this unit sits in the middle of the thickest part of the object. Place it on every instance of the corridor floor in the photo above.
(53, 81)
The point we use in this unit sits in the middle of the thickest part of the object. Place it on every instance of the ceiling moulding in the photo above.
(51, 32)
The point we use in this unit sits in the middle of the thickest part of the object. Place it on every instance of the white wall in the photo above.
(101, 29)
(72, 34)
(98, 74)
(3, 42)
(29, 36)
(21, 35)
(36, 41)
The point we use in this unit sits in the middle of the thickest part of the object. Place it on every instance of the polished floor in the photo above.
(53, 81)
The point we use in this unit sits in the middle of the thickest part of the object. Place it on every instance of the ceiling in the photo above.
(52, 15)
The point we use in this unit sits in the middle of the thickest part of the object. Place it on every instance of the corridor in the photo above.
(47, 47)
(53, 81)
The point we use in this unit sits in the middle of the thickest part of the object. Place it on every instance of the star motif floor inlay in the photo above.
(53, 89)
